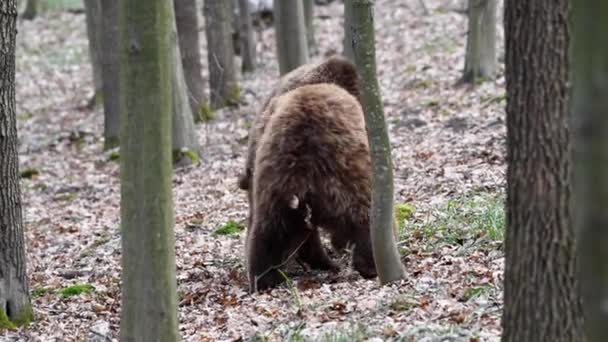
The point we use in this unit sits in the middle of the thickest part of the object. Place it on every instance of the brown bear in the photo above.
(311, 169)
(335, 70)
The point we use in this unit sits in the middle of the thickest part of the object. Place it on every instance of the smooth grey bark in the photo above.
(386, 256)
(110, 72)
(590, 118)
(290, 32)
(480, 57)
(309, 15)
(348, 29)
(248, 48)
(149, 297)
(223, 86)
(94, 28)
(31, 10)
(186, 17)
(14, 294)
(186, 148)
(541, 291)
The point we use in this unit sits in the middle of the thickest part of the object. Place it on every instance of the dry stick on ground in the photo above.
(386, 256)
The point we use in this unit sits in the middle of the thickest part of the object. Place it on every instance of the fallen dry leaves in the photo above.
(447, 141)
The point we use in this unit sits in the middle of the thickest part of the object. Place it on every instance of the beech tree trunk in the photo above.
(31, 10)
(309, 14)
(14, 294)
(541, 298)
(110, 68)
(590, 107)
(248, 50)
(290, 29)
(94, 30)
(480, 58)
(386, 256)
(186, 17)
(348, 30)
(220, 53)
(149, 298)
(185, 143)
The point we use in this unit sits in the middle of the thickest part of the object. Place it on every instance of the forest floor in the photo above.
(449, 162)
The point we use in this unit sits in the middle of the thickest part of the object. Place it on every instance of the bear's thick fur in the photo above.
(311, 169)
(335, 70)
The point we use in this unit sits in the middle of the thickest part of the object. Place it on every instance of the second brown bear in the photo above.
(311, 169)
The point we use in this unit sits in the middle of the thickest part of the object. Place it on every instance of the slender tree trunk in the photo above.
(220, 53)
(541, 298)
(185, 142)
(590, 106)
(348, 31)
(186, 17)
(14, 294)
(309, 15)
(110, 68)
(388, 263)
(31, 10)
(248, 51)
(149, 308)
(94, 30)
(290, 28)
(480, 58)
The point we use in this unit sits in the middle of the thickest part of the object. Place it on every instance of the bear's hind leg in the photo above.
(363, 257)
(313, 253)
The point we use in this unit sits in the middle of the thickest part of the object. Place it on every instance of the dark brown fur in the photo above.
(334, 70)
(314, 147)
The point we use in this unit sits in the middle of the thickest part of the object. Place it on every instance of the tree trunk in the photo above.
(149, 308)
(220, 53)
(348, 31)
(94, 28)
(590, 107)
(541, 299)
(290, 32)
(185, 143)
(186, 17)
(248, 51)
(14, 294)
(388, 263)
(309, 14)
(110, 68)
(31, 10)
(480, 58)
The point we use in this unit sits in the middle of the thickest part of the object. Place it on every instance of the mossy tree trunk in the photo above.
(248, 50)
(348, 31)
(186, 17)
(186, 148)
(220, 53)
(149, 298)
(590, 107)
(31, 10)
(386, 256)
(14, 294)
(290, 32)
(110, 72)
(480, 58)
(541, 297)
(94, 28)
(309, 15)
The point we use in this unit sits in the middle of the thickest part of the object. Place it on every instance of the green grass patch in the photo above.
(466, 218)
(29, 173)
(41, 291)
(5, 322)
(229, 228)
(75, 290)
(403, 212)
(476, 291)
(353, 333)
(192, 156)
(114, 156)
